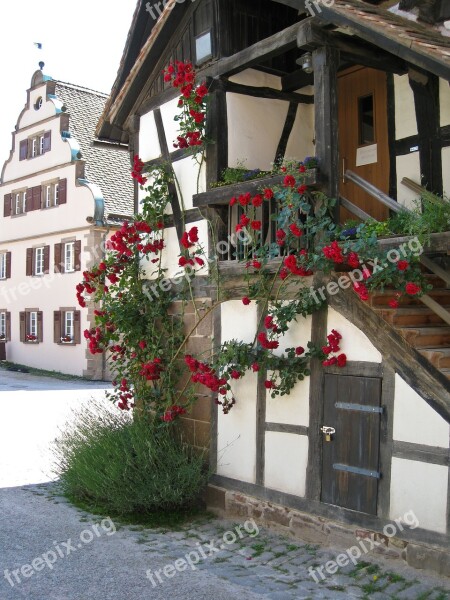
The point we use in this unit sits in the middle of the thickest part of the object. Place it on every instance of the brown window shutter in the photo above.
(62, 191)
(23, 326)
(23, 150)
(29, 200)
(8, 265)
(47, 141)
(77, 327)
(40, 329)
(8, 326)
(78, 255)
(59, 265)
(46, 260)
(7, 205)
(29, 267)
(57, 330)
(36, 198)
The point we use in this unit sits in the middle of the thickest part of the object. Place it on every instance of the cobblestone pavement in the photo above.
(137, 562)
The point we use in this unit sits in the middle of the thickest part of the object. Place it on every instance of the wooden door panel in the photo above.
(363, 123)
(352, 408)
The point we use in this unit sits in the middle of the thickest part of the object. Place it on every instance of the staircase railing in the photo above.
(394, 206)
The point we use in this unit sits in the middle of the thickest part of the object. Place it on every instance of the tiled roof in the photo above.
(416, 42)
(107, 166)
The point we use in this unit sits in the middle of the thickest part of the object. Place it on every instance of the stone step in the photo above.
(415, 316)
(426, 337)
(439, 357)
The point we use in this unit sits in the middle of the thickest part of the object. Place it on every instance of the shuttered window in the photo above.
(31, 326)
(5, 325)
(38, 261)
(36, 145)
(68, 257)
(67, 326)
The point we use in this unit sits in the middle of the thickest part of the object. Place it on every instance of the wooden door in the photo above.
(363, 137)
(351, 459)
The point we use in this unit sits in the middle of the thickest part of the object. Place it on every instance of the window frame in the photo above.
(32, 323)
(3, 259)
(3, 325)
(39, 260)
(70, 255)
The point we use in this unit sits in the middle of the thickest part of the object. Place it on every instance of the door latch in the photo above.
(328, 432)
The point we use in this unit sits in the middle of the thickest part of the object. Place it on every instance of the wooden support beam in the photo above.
(425, 87)
(296, 80)
(258, 53)
(286, 133)
(311, 36)
(267, 92)
(173, 194)
(326, 63)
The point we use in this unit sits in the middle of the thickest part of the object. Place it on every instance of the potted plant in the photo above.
(66, 339)
(31, 338)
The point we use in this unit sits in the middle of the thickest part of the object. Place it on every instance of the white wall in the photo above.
(149, 147)
(422, 488)
(405, 112)
(355, 344)
(286, 460)
(415, 421)
(237, 431)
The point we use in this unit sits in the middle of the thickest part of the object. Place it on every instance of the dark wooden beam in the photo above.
(286, 133)
(267, 92)
(173, 194)
(425, 88)
(326, 63)
(258, 53)
(311, 36)
(296, 80)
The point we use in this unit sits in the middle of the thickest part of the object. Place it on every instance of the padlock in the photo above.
(328, 437)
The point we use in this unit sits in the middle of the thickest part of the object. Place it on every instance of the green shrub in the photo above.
(123, 466)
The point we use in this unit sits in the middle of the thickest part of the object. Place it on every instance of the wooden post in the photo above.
(325, 64)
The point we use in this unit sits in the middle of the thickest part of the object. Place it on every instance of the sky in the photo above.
(82, 43)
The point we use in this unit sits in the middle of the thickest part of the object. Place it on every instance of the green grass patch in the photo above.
(18, 368)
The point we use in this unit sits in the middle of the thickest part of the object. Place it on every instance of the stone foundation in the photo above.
(320, 530)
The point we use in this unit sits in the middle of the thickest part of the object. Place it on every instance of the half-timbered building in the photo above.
(363, 86)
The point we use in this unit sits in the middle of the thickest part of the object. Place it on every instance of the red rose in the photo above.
(142, 345)
(353, 260)
(199, 261)
(256, 225)
(302, 189)
(193, 235)
(394, 303)
(412, 289)
(233, 201)
(102, 266)
(402, 265)
(244, 199)
(255, 367)
(289, 181)
(295, 230)
(299, 350)
(342, 360)
(235, 374)
(246, 300)
(302, 168)
(257, 200)
(269, 385)
(256, 264)
(268, 194)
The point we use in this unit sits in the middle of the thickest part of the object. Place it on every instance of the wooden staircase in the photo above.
(420, 326)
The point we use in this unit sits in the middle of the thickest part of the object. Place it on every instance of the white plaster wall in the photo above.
(444, 93)
(422, 488)
(73, 214)
(415, 421)
(47, 109)
(294, 408)
(301, 140)
(47, 294)
(237, 430)
(257, 79)
(446, 170)
(169, 110)
(186, 171)
(286, 460)
(408, 165)
(355, 344)
(247, 139)
(149, 147)
(405, 113)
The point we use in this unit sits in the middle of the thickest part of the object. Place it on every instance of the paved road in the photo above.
(50, 550)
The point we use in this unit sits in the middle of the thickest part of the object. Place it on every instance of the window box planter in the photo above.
(222, 195)
(67, 340)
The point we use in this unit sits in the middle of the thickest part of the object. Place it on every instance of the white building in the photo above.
(64, 192)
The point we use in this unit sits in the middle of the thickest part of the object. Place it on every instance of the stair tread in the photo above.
(441, 349)
(427, 328)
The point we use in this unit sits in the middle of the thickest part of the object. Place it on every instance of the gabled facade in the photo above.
(372, 102)
(62, 196)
